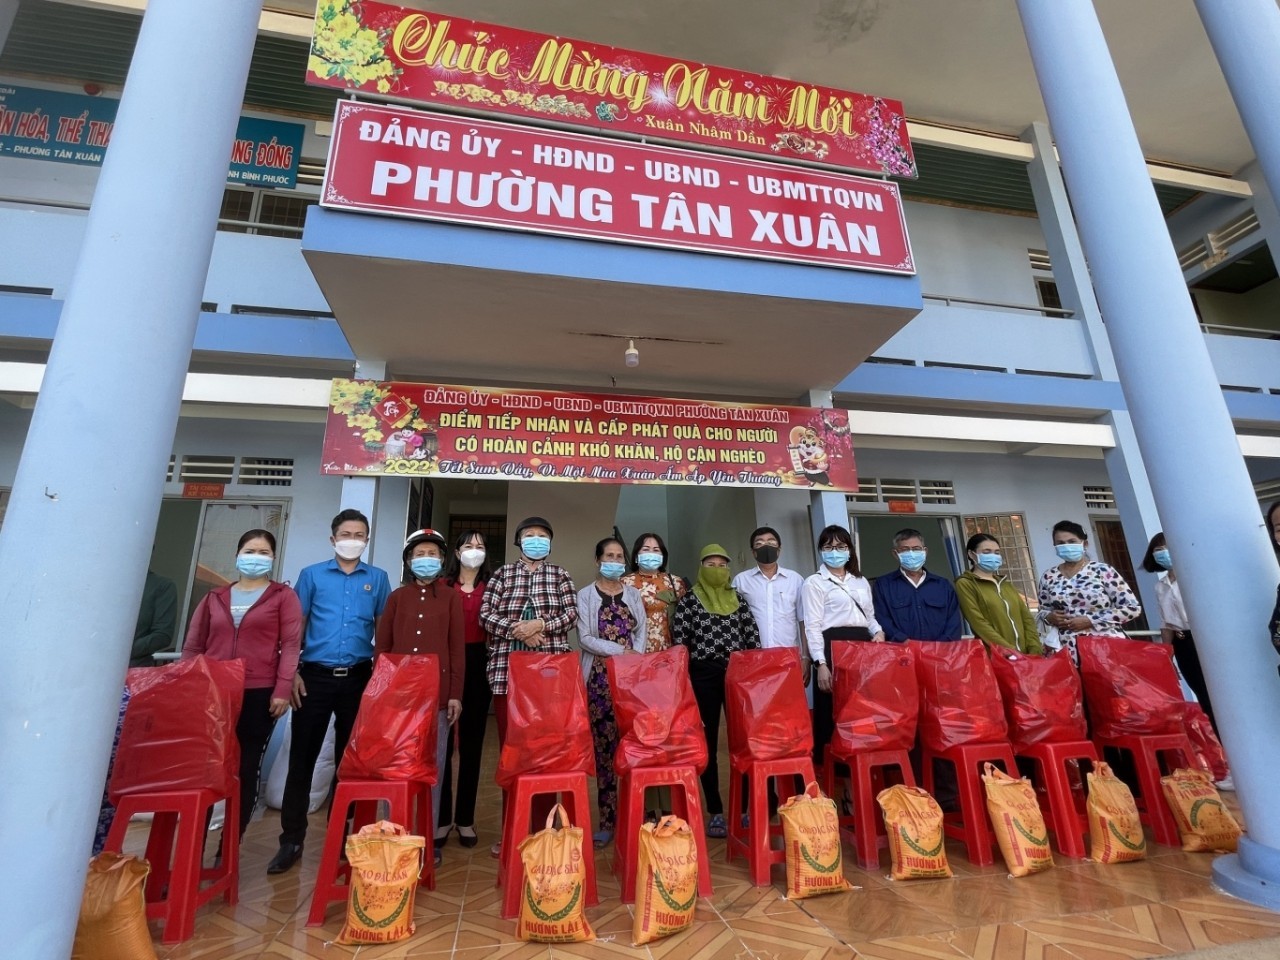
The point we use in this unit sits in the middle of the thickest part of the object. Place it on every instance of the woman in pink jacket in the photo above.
(259, 621)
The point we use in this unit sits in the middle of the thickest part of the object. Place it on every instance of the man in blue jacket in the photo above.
(911, 603)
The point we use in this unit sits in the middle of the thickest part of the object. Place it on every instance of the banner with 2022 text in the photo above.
(433, 430)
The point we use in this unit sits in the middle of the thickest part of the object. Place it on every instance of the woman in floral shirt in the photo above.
(713, 621)
(1081, 595)
(660, 589)
(611, 623)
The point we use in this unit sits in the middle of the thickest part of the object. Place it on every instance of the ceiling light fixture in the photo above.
(631, 355)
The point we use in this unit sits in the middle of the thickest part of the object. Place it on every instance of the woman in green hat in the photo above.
(713, 621)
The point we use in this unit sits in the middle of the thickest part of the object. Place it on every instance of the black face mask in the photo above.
(766, 554)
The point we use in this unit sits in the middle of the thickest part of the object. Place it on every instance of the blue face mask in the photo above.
(990, 562)
(612, 571)
(536, 548)
(911, 559)
(254, 565)
(835, 558)
(1070, 552)
(424, 568)
(649, 561)
(1162, 557)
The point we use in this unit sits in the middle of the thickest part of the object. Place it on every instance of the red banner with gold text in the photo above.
(432, 430)
(452, 63)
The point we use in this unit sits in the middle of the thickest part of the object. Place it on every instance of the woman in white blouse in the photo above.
(837, 606)
(1175, 628)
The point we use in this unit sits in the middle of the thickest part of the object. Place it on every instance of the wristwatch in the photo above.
(819, 663)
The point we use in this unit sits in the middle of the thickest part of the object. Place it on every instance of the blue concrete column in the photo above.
(827, 508)
(82, 516)
(8, 10)
(1246, 40)
(1125, 469)
(1225, 562)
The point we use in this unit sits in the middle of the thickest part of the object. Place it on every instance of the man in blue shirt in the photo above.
(342, 599)
(911, 603)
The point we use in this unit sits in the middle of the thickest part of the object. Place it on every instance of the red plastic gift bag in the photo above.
(877, 696)
(548, 729)
(179, 729)
(959, 699)
(1208, 748)
(658, 719)
(1043, 700)
(1131, 687)
(765, 705)
(395, 734)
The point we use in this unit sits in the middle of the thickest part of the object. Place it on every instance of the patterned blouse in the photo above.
(713, 636)
(616, 624)
(651, 587)
(1097, 591)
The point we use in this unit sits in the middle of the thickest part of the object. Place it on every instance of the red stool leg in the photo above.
(160, 843)
(627, 840)
(519, 803)
(576, 802)
(180, 905)
(1164, 829)
(693, 816)
(737, 835)
(758, 857)
(420, 800)
(866, 845)
(330, 868)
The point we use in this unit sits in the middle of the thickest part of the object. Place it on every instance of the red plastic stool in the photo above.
(868, 775)
(970, 825)
(686, 803)
(754, 840)
(178, 830)
(1147, 751)
(1067, 818)
(516, 827)
(409, 802)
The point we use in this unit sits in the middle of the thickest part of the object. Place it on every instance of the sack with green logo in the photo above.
(385, 865)
(666, 880)
(913, 823)
(553, 891)
(1018, 822)
(811, 835)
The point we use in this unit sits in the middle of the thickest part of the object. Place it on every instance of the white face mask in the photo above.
(471, 558)
(349, 549)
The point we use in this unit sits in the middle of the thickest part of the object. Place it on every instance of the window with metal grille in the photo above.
(1011, 530)
(206, 468)
(283, 210)
(266, 471)
(1099, 498)
(1047, 291)
(237, 205)
(1268, 491)
(872, 490)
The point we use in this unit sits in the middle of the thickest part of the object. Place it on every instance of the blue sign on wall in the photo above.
(75, 128)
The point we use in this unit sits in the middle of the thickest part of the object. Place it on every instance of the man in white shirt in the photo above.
(772, 591)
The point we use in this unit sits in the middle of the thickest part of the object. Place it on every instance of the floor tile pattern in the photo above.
(1161, 907)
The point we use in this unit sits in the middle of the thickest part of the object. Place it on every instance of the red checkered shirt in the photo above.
(519, 592)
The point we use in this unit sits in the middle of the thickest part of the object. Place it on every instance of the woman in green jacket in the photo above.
(995, 610)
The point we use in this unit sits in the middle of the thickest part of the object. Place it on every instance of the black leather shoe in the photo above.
(285, 858)
(468, 840)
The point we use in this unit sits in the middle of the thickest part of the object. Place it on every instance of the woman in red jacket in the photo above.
(259, 621)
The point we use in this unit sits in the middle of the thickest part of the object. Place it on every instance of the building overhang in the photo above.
(447, 303)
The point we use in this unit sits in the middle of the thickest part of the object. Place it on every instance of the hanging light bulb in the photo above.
(631, 355)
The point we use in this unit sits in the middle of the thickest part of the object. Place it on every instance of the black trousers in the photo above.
(824, 719)
(253, 730)
(1184, 651)
(707, 679)
(327, 696)
(471, 725)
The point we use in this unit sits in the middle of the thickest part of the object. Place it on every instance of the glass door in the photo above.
(222, 522)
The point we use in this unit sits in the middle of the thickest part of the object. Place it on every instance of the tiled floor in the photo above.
(1077, 911)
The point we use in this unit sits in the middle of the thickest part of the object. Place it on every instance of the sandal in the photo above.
(602, 839)
(717, 829)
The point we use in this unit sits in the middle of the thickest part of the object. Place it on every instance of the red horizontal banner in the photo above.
(407, 163)
(429, 430)
(452, 63)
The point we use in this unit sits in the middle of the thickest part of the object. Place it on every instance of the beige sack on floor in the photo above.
(553, 890)
(1018, 822)
(1115, 830)
(1203, 822)
(113, 911)
(666, 880)
(385, 865)
(913, 823)
(811, 834)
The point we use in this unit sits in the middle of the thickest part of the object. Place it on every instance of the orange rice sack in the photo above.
(553, 897)
(811, 836)
(1203, 822)
(1018, 822)
(913, 822)
(666, 880)
(113, 911)
(385, 865)
(1115, 831)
